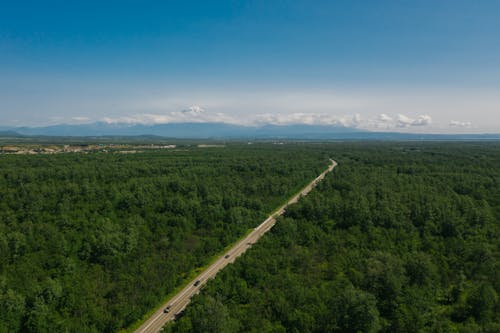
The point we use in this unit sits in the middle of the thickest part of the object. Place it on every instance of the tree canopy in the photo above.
(399, 238)
(91, 242)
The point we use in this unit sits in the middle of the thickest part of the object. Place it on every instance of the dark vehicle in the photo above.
(197, 283)
(226, 256)
(167, 309)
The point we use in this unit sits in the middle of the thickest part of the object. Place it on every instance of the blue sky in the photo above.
(422, 66)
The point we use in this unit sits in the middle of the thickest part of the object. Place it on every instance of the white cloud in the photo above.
(306, 118)
(286, 119)
(405, 121)
(194, 109)
(353, 121)
(422, 120)
(80, 119)
(385, 118)
(200, 115)
(385, 121)
(192, 114)
(145, 119)
(379, 108)
(463, 124)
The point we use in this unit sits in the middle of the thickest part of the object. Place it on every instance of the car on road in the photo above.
(167, 309)
(197, 283)
(226, 256)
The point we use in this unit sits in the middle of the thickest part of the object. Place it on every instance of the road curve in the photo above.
(179, 302)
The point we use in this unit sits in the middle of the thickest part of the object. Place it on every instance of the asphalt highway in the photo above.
(179, 302)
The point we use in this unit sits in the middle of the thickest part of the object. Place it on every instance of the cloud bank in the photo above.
(197, 114)
(193, 113)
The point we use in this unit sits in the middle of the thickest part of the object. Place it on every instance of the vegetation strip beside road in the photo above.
(187, 281)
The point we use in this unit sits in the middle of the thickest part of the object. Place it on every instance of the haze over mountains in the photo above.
(207, 130)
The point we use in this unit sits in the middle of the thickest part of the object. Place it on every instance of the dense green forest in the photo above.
(399, 238)
(91, 242)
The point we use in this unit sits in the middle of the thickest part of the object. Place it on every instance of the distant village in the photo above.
(59, 149)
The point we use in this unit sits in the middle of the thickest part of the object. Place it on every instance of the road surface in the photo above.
(179, 302)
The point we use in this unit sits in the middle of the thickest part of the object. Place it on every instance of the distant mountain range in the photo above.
(229, 131)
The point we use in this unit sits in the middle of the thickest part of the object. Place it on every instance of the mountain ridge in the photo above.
(220, 130)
